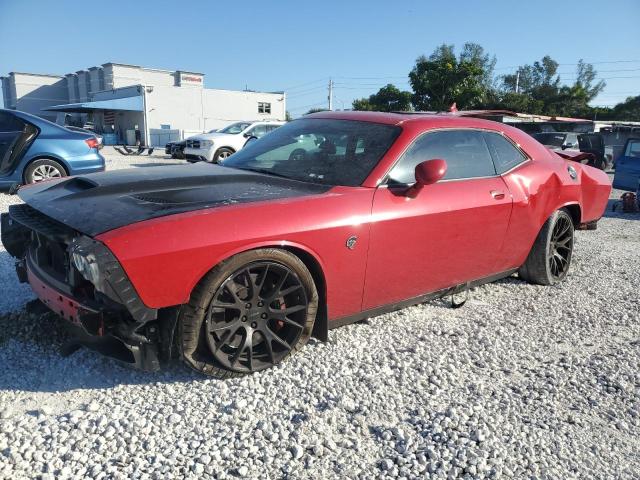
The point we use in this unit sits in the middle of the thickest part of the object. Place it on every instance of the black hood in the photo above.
(96, 203)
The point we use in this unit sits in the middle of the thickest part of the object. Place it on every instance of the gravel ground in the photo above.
(522, 382)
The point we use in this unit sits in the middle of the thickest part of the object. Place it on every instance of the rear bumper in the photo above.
(90, 163)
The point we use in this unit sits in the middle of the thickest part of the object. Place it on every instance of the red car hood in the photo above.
(96, 203)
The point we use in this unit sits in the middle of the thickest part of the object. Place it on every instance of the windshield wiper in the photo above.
(266, 172)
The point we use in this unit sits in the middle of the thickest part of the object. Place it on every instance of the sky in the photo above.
(297, 46)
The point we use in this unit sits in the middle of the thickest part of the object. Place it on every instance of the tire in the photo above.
(222, 153)
(225, 334)
(550, 257)
(44, 169)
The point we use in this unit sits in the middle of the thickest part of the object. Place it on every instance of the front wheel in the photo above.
(222, 154)
(550, 257)
(248, 314)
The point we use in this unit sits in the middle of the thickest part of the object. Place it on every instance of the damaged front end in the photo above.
(80, 279)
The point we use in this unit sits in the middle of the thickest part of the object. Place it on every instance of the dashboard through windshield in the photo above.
(327, 151)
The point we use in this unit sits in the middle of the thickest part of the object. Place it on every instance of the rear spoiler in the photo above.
(580, 157)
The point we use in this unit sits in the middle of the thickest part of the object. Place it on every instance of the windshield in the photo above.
(550, 139)
(333, 152)
(235, 127)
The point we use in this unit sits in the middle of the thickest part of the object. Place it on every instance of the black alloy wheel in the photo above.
(256, 317)
(560, 247)
(549, 260)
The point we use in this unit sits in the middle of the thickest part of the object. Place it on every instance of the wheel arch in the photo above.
(45, 157)
(575, 211)
(227, 147)
(313, 263)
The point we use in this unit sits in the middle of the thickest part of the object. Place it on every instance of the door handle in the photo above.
(497, 195)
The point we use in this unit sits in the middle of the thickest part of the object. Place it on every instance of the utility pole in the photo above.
(330, 95)
(518, 81)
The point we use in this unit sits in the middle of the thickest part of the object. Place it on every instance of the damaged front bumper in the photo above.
(79, 278)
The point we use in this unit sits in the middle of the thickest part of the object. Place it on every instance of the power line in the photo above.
(324, 79)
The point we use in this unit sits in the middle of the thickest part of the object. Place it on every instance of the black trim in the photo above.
(113, 281)
(392, 307)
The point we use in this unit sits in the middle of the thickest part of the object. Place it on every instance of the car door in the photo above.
(627, 174)
(450, 233)
(16, 136)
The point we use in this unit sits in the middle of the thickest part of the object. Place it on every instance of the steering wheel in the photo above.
(298, 155)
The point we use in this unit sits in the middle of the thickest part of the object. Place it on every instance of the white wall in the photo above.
(32, 93)
(202, 109)
(222, 107)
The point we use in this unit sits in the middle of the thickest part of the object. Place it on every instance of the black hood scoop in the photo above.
(97, 203)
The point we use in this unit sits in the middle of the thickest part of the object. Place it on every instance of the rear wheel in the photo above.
(44, 169)
(550, 257)
(248, 314)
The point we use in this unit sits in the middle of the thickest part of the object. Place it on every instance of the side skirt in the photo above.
(374, 312)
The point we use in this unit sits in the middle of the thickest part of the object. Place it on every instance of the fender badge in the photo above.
(351, 242)
(572, 172)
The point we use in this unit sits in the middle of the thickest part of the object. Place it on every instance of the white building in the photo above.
(119, 99)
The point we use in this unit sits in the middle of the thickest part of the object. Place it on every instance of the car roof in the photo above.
(423, 119)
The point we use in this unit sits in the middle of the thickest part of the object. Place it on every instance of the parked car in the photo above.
(580, 142)
(175, 149)
(84, 130)
(33, 149)
(330, 219)
(627, 174)
(216, 146)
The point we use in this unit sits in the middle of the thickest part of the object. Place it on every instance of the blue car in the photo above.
(33, 149)
(627, 173)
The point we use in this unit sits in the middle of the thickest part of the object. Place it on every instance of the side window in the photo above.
(271, 128)
(505, 154)
(10, 123)
(465, 152)
(258, 131)
(633, 149)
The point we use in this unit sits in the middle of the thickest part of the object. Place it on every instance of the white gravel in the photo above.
(522, 382)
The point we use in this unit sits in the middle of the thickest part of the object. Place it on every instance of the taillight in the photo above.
(92, 142)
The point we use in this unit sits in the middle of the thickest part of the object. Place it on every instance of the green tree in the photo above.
(627, 110)
(388, 99)
(537, 89)
(442, 79)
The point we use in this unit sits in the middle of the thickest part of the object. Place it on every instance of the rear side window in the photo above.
(10, 123)
(465, 152)
(633, 149)
(505, 154)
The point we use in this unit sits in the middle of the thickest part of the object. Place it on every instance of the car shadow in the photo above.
(614, 210)
(32, 359)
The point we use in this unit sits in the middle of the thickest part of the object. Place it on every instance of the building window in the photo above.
(264, 107)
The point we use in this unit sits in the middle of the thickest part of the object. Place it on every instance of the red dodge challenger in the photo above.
(325, 221)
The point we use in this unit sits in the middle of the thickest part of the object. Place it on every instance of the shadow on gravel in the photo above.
(30, 360)
(618, 213)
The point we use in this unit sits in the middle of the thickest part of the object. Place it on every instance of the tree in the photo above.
(628, 110)
(287, 116)
(442, 79)
(388, 99)
(537, 89)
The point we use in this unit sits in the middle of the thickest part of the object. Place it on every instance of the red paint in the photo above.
(451, 232)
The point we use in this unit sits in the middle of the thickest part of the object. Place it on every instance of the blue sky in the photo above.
(298, 45)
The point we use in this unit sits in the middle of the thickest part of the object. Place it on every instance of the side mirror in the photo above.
(567, 145)
(426, 173)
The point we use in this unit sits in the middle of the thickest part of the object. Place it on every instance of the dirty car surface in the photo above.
(330, 219)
